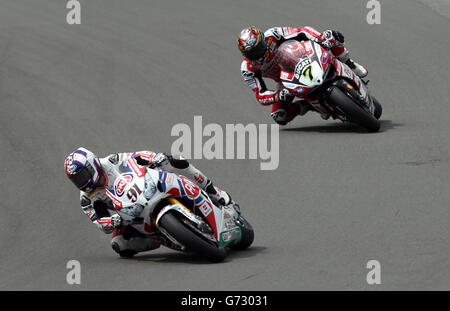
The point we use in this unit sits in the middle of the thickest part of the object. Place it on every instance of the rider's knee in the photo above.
(279, 116)
(282, 122)
(134, 245)
(119, 244)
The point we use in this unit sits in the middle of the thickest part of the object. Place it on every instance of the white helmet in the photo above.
(83, 169)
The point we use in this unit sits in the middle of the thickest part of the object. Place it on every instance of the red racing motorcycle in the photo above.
(312, 73)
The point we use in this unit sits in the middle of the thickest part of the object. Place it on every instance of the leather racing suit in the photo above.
(254, 71)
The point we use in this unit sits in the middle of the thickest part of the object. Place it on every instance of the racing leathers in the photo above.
(100, 209)
(253, 72)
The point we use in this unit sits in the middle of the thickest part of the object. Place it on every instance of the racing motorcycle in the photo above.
(160, 205)
(312, 73)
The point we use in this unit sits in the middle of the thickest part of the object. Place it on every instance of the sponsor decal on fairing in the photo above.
(122, 183)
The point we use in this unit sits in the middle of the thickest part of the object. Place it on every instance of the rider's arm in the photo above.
(298, 33)
(330, 39)
(253, 78)
(98, 213)
(144, 158)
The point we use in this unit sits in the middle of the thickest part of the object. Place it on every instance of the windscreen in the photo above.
(289, 54)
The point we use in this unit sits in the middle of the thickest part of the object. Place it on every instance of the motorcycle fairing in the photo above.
(180, 186)
(311, 69)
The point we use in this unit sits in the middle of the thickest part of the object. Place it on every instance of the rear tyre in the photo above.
(214, 252)
(354, 111)
(247, 236)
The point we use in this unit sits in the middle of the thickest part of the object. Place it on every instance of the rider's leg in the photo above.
(127, 242)
(283, 112)
(342, 53)
(279, 113)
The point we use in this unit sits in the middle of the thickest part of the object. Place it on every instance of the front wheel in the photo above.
(214, 251)
(357, 115)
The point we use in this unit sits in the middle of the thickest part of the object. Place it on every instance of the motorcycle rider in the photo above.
(92, 175)
(259, 50)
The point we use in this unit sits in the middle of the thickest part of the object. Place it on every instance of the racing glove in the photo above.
(151, 159)
(284, 96)
(160, 159)
(108, 224)
(116, 221)
(331, 38)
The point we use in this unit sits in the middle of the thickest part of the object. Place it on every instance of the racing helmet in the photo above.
(252, 44)
(83, 169)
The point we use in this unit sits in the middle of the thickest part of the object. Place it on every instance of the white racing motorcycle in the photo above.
(173, 210)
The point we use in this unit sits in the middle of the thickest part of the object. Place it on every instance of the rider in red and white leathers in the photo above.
(259, 50)
(92, 175)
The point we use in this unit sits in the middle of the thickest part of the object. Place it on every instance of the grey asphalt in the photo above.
(133, 69)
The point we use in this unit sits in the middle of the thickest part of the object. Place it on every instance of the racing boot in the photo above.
(218, 196)
(221, 198)
(343, 55)
(358, 69)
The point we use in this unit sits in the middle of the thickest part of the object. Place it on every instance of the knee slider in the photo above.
(279, 115)
(281, 122)
(118, 243)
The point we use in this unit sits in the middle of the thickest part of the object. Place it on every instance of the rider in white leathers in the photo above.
(92, 175)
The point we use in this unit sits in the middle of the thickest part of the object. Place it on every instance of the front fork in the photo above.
(349, 88)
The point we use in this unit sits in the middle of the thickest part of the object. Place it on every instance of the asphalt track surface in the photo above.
(133, 69)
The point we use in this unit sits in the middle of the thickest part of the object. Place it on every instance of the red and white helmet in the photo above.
(252, 44)
(83, 169)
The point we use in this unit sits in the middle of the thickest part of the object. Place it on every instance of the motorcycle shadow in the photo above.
(340, 127)
(191, 258)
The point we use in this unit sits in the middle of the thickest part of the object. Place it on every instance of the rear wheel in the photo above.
(354, 111)
(247, 235)
(212, 250)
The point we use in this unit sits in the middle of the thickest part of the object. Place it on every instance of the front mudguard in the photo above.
(174, 207)
(178, 208)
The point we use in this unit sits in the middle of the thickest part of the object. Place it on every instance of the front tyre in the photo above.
(339, 99)
(214, 252)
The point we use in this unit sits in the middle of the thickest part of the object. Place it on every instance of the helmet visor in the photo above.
(257, 52)
(81, 178)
